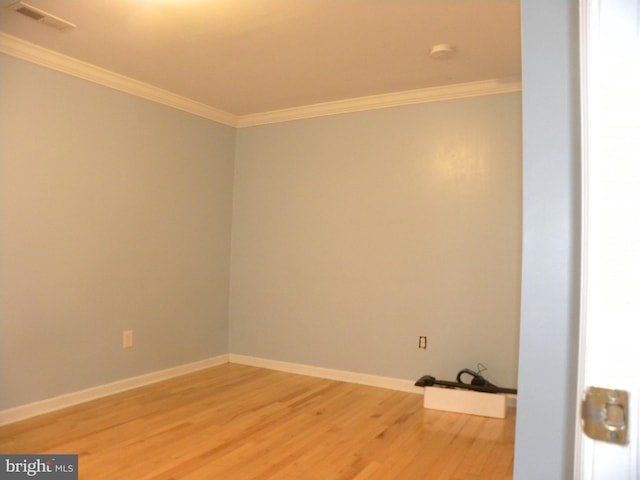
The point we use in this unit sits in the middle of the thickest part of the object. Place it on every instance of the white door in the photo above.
(610, 319)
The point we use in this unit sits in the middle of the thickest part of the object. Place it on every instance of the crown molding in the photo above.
(30, 52)
(47, 58)
(374, 102)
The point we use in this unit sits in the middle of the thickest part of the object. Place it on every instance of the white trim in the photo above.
(18, 48)
(70, 399)
(48, 405)
(389, 383)
(580, 451)
(374, 102)
(56, 61)
(328, 373)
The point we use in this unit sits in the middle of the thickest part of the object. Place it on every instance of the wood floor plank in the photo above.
(240, 422)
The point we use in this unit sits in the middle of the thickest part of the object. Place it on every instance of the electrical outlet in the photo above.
(422, 342)
(127, 339)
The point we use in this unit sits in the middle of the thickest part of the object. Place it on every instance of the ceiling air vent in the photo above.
(41, 16)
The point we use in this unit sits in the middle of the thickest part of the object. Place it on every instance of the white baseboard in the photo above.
(340, 375)
(328, 373)
(68, 400)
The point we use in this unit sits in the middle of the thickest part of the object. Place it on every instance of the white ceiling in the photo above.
(250, 56)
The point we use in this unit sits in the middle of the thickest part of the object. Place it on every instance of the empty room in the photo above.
(234, 234)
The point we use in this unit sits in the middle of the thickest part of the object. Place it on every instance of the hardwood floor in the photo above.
(235, 422)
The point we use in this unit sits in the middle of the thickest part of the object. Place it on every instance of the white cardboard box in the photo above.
(466, 401)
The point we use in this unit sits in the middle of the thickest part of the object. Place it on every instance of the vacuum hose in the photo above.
(478, 383)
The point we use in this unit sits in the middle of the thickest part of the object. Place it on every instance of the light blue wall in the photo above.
(115, 214)
(77, 256)
(355, 234)
(551, 253)
(352, 236)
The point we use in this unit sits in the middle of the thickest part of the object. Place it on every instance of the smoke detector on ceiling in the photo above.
(442, 51)
(41, 16)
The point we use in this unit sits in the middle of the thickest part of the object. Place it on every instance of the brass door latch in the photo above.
(605, 415)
